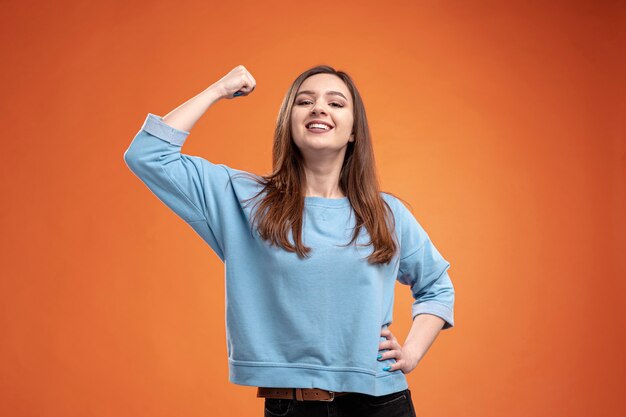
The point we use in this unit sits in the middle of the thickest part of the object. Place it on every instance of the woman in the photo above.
(311, 265)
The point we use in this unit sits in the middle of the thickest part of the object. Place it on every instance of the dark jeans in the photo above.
(397, 404)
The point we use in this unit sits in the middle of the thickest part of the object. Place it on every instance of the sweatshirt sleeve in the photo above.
(190, 186)
(424, 269)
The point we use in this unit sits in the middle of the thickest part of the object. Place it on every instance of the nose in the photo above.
(317, 109)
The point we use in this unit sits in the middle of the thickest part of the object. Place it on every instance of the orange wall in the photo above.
(499, 121)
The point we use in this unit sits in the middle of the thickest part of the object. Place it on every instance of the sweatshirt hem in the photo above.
(298, 375)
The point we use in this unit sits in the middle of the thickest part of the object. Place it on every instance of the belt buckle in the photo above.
(332, 396)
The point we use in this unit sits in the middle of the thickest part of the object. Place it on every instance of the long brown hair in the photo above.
(282, 205)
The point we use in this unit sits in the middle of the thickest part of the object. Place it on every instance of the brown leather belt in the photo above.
(299, 394)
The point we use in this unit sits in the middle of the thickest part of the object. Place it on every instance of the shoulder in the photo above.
(405, 220)
(397, 206)
(390, 199)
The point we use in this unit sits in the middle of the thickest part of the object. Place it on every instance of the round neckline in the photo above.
(324, 201)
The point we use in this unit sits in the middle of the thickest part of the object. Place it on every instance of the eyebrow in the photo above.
(328, 93)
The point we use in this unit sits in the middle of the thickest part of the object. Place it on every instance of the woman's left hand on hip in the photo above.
(405, 360)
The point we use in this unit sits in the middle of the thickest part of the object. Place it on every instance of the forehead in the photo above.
(320, 83)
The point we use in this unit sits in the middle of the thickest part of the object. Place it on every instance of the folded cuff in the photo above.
(157, 127)
(437, 309)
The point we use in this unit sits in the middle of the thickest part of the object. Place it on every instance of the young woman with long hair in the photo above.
(312, 250)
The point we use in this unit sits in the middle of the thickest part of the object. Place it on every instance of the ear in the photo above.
(351, 138)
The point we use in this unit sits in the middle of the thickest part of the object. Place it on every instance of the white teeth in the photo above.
(319, 125)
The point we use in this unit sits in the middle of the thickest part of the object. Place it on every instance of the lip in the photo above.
(318, 133)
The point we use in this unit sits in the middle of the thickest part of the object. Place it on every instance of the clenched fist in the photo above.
(238, 82)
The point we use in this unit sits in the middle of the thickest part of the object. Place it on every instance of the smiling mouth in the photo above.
(319, 128)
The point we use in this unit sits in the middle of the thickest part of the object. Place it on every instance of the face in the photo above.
(323, 97)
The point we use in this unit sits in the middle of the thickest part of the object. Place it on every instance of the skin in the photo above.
(323, 153)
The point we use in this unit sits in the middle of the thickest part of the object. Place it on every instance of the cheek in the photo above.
(347, 125)
(347, 120)
(296, 133)
(296, 125)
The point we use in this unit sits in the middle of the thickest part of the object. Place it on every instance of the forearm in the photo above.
(423, 333)
(185, 116)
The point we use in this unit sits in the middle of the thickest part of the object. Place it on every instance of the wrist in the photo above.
(411, 354)
(215, 93)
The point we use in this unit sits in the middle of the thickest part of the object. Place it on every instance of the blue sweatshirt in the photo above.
(298, 323)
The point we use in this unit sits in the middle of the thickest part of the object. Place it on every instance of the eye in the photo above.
(309, 101)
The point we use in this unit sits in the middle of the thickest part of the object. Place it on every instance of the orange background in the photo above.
(501, 122)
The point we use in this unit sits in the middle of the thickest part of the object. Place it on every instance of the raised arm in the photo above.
(193, 187)
(185, 116)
